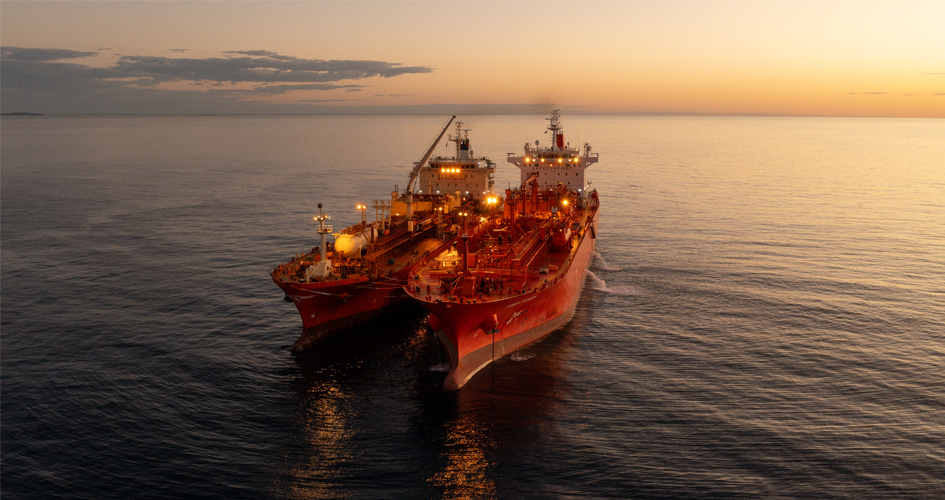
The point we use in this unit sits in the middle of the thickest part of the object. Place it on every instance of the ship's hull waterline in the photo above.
(328, 309)
(473, 335)
(362, 277)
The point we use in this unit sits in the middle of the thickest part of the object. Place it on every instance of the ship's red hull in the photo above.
(327, 308)
(364, 274)
(475, 334)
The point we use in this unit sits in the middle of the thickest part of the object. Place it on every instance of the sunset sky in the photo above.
(817, 57)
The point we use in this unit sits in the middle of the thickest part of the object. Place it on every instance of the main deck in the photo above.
(389, 254)
(510, 258)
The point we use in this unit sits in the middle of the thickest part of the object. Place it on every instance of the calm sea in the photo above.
(765, 318)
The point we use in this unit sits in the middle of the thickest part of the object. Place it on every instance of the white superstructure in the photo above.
(471, 177)
(556, 164)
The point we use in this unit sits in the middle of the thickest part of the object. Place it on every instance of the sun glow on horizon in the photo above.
(835, 57)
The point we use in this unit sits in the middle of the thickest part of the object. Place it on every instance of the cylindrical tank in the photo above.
(560, 238)
(350, 244)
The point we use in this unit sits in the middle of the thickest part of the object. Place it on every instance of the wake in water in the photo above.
(521, 356)
(601, 285)
(603, 263)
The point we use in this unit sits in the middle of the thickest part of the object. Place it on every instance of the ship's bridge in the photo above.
(556, 164)
(565, 167)
(473, 178)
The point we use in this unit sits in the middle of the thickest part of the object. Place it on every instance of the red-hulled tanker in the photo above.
(362, 274)
(519, 277)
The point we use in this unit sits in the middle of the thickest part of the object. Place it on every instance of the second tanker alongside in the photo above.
(360, 276)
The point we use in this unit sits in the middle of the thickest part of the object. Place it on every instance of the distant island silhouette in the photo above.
(20, 113)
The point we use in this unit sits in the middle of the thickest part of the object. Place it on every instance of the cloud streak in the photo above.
(258, 67)
(29, 72)
(40, 55)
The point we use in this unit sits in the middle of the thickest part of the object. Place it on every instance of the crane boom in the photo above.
(416, 169)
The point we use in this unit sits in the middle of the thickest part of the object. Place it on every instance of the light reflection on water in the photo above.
(324, 428)
(459, 441)
(467, 473)
(766, 320)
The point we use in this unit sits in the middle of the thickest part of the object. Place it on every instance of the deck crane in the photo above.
(416, 172)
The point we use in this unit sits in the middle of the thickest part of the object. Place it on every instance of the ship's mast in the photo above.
(462, 136)
(555, 128)
(323, 268)
(323, 230)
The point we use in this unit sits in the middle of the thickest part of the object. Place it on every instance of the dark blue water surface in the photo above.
(765, 317)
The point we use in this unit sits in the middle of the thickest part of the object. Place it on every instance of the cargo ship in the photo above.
(359, 276)
(519, 272)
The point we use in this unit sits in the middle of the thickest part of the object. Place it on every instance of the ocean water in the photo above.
(765, 317)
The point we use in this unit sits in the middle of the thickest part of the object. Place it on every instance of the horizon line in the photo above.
(27, 114)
